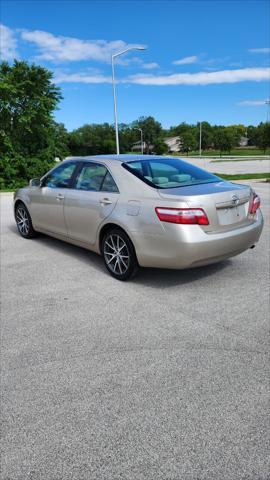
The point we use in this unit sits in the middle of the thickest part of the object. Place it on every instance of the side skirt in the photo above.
(67, 239)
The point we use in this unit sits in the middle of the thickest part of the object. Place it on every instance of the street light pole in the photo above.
(200, 139)
(115, 110)
(140, 130)
(114, 92)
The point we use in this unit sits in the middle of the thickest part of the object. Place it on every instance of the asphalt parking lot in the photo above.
(164, 377)
(235, 166)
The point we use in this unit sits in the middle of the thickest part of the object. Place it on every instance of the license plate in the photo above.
(227, 216)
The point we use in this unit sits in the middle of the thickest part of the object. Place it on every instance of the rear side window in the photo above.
(91, 177)
(95, 177)
(137, 166)
(169, 173)
(109, 184)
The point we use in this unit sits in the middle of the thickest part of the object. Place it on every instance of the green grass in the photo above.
(244, 176)
(4, 190)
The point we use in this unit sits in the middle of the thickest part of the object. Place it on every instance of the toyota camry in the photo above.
(141, 211)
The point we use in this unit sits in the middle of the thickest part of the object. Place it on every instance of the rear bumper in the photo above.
(187, 246)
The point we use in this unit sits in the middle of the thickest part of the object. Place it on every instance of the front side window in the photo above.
(60, 177)
(95, 177)
(169, 173)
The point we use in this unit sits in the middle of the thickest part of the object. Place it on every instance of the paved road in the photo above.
(164, 377)
(233, 167)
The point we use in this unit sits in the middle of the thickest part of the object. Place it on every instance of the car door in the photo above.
(91, 199)
(47, 201)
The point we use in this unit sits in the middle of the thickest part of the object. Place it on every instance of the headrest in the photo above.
(159, 180)
(181, 178)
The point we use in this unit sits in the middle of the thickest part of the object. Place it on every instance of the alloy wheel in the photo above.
(116, 254)
(22, 221)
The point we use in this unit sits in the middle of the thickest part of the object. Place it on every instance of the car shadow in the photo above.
(79, 253)
(162, 278)
(148, 277)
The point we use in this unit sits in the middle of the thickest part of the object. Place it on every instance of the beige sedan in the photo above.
(140, 210)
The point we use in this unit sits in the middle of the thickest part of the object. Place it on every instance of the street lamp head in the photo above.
(139, 47)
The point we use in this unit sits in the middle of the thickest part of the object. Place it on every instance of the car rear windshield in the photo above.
(169, 173)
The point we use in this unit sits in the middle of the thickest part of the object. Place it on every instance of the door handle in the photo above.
(105, 201)
(60, 196)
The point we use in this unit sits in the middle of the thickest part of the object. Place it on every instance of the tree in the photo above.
(160, 147)
(252, 134)
(207, 135)
(223, 139)
(127, 137)
(27, 101)
(180, 129)
(28, 134)
(235, 132)
(152, 130)
(92, 139)
(59, 140)
(263, 136)
(188, 141)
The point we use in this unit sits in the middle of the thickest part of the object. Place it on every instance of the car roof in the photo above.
(114, 157)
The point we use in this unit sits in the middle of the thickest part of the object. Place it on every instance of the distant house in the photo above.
(137, 147)
(243, 142)
(173, 144)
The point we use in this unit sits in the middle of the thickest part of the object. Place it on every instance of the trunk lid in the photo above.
(226, 204)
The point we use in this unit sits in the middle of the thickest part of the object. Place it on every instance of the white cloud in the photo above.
(61, 77)
(200, 78)
(259, 50)
(150, 66)
(203, 78)
(8, 43)
(60, 49)
(186, 60)
(252, 103)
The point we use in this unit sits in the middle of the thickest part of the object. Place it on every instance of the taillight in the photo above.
(254, 203)
(185, 216)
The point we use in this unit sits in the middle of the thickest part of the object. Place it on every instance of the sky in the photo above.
(204, 60)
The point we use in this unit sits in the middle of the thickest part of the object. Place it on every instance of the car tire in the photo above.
(24, 221)
(119, 254)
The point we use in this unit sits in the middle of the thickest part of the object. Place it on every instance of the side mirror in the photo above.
(35, 182)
